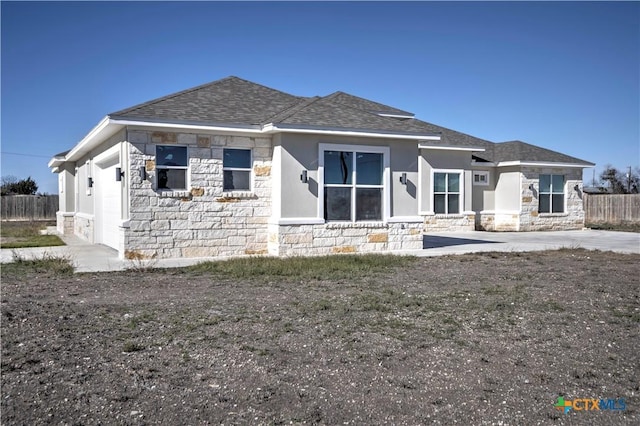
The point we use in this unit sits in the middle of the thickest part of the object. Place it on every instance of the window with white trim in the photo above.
(446, 193)
(236, 168)
(354, 185)
(481, 178)
(171, 167)
(551, 194)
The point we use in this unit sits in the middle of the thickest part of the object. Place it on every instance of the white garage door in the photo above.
(108, 203)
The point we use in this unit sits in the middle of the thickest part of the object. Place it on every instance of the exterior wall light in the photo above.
(119, 174)
(143, 173)
(303, 177)
(89, 183)
(403, 179)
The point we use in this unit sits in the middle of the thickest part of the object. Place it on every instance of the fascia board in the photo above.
(451, 148)
(55, 162)
(227, 128)
(273, 128)
(395, 115)
(542, 164)
(482, 164)
(99, 133)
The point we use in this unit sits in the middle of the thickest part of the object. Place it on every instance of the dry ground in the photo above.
(475, 339)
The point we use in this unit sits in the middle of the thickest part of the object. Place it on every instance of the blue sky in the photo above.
(565, 76)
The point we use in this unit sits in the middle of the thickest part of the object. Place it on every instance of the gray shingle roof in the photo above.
(518, 150)
(230, 100)
(238, 102)
(365, 104)
(326, 113)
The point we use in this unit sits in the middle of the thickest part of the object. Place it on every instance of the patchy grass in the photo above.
(321, 268)
(46, 264)
(367, 340)
(26, 234)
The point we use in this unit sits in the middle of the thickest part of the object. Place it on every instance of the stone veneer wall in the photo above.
(83, 226)
(64, 223)
(331, 238)
(203, 220)
(529, 219)
(450, 223)
(573, 216)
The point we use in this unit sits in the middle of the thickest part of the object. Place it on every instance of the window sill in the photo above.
(343, 225)
(173, 194)
(552, 214)
(239, 194)
(448, 216)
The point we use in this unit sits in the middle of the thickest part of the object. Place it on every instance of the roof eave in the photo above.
(340, 131)
(188, 125)
(105, 128)
(452, 148)
(544, 164)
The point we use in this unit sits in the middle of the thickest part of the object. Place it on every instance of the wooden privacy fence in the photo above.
(29, 207)
(612, 208)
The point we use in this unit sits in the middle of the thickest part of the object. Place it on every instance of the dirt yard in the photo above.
(474, 339)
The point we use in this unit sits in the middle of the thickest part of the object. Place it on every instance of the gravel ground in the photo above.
(491, 338)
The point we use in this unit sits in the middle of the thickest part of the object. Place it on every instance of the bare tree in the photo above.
(627, 182)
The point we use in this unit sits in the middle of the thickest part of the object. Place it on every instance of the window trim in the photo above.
(460, 193)
(187, 175)
(550, 194)
(386, 180)
(239, 169)
(481, 173)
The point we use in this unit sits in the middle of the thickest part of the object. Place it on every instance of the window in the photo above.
(551, 199)
(171, 166)
(481, 178)
(446, 193)
(236, 167)
(353, 183)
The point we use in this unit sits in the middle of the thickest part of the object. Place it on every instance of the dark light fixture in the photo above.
(403, 178)
(89, 183)
(577, 187)
(119, 174)
(303, 177)
(143, 172)
(531, 186)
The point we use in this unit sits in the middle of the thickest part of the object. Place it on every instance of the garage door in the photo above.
(108, 204)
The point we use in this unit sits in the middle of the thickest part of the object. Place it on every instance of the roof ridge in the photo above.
(397, 125)
(193, 89)
(383, 107)
(522, 145)
(456, 131)
(290, 111)
(171, 95)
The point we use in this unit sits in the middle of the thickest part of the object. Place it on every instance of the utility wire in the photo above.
(25, 155)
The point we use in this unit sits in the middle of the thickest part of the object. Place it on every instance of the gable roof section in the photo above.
(230, 100)
(524, 152)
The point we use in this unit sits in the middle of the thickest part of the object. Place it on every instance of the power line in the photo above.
(24, 155)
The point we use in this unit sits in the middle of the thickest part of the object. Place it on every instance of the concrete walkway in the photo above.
(94, 257)
(475, 241)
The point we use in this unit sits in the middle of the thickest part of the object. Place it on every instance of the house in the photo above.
(236, 168)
